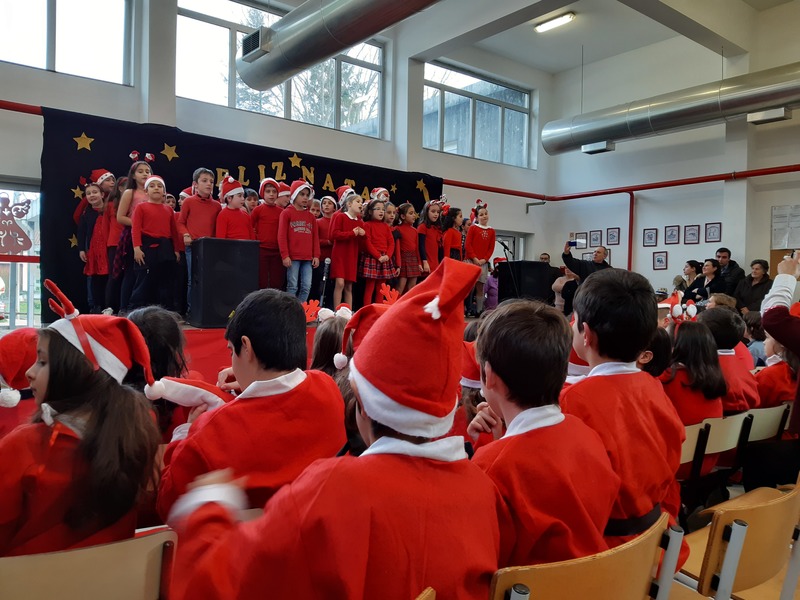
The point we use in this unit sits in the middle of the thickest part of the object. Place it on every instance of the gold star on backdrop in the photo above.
(169, 152)
(421, 187)
(393, 189)
(77, 191)
(73, 241)
(295, 160)
(84, 142)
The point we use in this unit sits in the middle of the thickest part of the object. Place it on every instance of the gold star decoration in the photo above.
(73, 241)
(84, 142)
(169, 152)
(77, 192)
(295, 160)
(393, 189)
(421, 187)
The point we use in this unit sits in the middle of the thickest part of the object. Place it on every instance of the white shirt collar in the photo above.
(614, 368)
(774, 360)
(726, 352)
(273, 387)
(478, 225)
(535, 418)
(351, 217)
(449, 449)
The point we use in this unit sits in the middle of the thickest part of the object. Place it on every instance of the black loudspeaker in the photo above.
(525, 279)
(223, 273)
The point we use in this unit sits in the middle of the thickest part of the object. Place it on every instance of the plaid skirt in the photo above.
(410, 266)
(370, 268)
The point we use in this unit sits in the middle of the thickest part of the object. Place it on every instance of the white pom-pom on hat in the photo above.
(340, 360)
(9, 398)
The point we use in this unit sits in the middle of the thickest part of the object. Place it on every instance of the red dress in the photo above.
(344, 256)
(433, 242)
(451, 243)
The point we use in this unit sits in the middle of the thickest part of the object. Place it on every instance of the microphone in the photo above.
(504, 245)
(325, 270)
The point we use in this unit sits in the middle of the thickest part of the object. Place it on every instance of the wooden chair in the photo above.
(136, 569)
(622, 573)
(748, 543)
(427, 594)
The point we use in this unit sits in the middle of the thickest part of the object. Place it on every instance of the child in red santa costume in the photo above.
(80, 466)
(381, 525)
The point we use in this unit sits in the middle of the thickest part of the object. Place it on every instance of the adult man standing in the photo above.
(584, 268)
(729, 270)
(553, 274)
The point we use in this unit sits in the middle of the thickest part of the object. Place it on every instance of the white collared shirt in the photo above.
(534, 418)
(449, 449)
(273, 387)
(614, 368)
(726, 352)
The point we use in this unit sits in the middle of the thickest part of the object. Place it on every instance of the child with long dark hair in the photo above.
(114, 228)
(429, 231)
(133, 196)
(92, 237)
(379, 255)
(408, 242)
(451, 232)
(79, 468)
(346, 232)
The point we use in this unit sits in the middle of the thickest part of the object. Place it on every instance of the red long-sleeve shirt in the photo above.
(408, 242)
(198, 217)
(379, 240)
(430, 241)
(154, 220)
(234, 224)
(325, 241)
(265, 219)
(480, 242)
(298, 236)
(451, 241)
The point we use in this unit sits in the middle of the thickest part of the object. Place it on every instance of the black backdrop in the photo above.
(75, 144)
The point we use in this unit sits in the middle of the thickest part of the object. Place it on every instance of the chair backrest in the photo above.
(427, 594)
(768, 423)
(621, 573)
(725, 432)
(690, 443)
(771, 517)
(136, 569)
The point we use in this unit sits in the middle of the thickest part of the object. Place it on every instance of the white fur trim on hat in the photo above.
(383, 409)
(153, 178)
(470, 383)
(185, 392)
(105, 358)
(9, 398)
(234, 191)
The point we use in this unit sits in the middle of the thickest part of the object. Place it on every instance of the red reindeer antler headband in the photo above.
(66, 310)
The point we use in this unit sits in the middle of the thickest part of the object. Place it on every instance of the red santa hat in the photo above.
(151, 179)
(98, 176)
(230, 187)
(299, 185)
(17, 354)
(110, 343)
(186, 192)
(418, 395)
(357, 327)
(377, 192)
(343, 192)
(187, 392)
(470, 371)
(265, 182)
(284, 189)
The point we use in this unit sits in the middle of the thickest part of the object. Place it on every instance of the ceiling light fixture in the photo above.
(553, 23)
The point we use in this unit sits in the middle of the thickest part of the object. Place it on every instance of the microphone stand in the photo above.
(507, 252)
(324, 282)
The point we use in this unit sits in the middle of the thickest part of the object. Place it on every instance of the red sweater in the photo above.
(451, 240)
(234, 224)
(692, 406)
(379, 240)
(430, 238)
(559, 486)
(742, 387)
(298, 236)
(480, 242)
(776, 384)
(325, 242)
(409, 241)
(198, 217)
(265, 219)
(154, 220)
(114, 226)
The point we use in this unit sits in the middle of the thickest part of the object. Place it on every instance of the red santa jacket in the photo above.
(270, 432)
(692, 406)
(557, 482)
(383, 525)
(742, 387)
(42, 469)
(776, 384)
(642, 434)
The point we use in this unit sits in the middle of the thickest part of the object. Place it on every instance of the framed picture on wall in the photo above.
(691, 234)
(581, 240)
(672, 234)
(612, 236)
(660, 261)
(713, 232)
(595, 238)
(650, 237)
(587, 256)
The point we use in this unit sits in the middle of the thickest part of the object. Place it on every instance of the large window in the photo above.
(90, 38)
(470, 116)
(344, 92)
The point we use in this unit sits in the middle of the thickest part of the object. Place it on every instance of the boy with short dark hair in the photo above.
(284, 419)
(412, 511)
(551, 469)
(615, 320)
(726, 327)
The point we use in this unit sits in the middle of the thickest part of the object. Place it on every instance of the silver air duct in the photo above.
(685, 109)
(315, 31)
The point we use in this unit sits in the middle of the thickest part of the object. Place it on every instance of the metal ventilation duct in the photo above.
(685, 109)
(317, 30)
